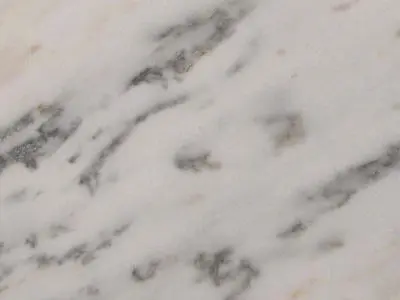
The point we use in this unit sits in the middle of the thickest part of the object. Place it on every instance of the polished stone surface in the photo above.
(199, 149)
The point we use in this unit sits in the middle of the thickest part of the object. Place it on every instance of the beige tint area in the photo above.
(18, 21)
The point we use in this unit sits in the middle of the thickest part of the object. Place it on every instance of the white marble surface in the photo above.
(199, 149)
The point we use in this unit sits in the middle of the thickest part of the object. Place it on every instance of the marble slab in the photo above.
(187, 149)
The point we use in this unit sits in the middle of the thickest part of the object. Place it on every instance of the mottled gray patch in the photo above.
(222, 267)
(51, 128)
(32, 240)
(218, 25)
(90, 253)
(84, 253)
(180, 63)
(26, 152)
(44, 260)
(29, 118)
(194, 159)
(221, 19)
(246, 274)
(144, 272)
(288, 129)
(88, 258)
(74, 253)
(211, 265)
(49, 136)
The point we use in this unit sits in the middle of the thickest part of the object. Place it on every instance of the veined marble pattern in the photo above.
(187, 149)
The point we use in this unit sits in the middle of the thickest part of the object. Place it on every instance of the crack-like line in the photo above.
(89, 177)
(337, 192)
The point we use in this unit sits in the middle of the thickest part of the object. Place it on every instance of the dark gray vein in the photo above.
(220, 26)
(340, 190)
(53, 133)
(89, 177)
